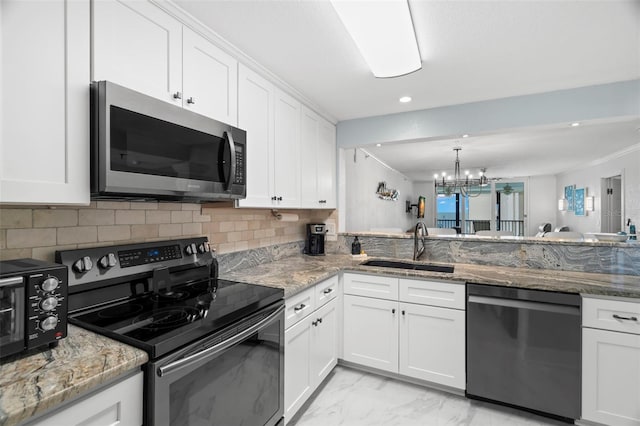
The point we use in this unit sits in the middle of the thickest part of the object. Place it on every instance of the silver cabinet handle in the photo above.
(191, 100)
(300, 307)
(327, 291)
(619, 317)
(177, 95)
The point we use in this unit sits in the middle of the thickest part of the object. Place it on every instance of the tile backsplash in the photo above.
(36, 231)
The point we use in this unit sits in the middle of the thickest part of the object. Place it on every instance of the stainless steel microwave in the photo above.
(145, 148)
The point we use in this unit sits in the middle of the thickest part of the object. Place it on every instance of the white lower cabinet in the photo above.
(311, 345)
(371, 332)
(432, 344)
(118, 404)
(417, 340)
(611, 362)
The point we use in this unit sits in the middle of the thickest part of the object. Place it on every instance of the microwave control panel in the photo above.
(239, 177)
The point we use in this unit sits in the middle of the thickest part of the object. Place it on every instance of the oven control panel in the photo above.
(136, 257)
(93, 265)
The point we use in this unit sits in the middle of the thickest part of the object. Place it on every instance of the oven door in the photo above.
(12, 316)
(235, 377)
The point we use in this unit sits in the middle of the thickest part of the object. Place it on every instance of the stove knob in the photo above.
(191, 249)
(107, 261)
(49, 303)
(49, 323)
(204, 247)
(83, 265)
(50, 284)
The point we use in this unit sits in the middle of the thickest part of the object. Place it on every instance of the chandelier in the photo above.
(467, 185)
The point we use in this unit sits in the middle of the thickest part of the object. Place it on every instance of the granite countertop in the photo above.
(34, 383)
(588, 239)
(296, 273)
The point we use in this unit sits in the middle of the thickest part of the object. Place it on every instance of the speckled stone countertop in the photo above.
(32, 384)
(296, 273)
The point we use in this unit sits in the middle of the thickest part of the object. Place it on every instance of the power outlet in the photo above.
(331, 231)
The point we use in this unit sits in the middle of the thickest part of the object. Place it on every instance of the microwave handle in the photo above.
(232, 170)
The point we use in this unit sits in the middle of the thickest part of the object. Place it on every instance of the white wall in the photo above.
(364, 211)
(542, 202)
(627, 164)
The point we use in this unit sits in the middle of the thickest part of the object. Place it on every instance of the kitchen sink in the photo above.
(407, 265)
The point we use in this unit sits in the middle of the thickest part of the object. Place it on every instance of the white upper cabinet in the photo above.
(286, 165)
(317, 161)
(44, 102)
(326, 172)
(139, 46)
(256, 115)
(210, 79)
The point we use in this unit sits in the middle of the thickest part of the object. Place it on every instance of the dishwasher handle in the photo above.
(525, 304)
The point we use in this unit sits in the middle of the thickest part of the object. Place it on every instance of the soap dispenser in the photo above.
(355, 246)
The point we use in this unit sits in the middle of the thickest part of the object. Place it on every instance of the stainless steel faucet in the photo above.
(421, 228)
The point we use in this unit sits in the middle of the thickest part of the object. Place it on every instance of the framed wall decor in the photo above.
(578, 200)
(568, 195)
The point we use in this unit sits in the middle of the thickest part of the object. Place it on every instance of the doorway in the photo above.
(611, 204)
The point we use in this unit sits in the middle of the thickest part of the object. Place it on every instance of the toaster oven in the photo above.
(33, 305)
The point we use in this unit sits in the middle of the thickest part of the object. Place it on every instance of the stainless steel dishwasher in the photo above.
(524, 349)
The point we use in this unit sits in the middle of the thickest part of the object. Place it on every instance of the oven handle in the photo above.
(214, 350)
(10, 281)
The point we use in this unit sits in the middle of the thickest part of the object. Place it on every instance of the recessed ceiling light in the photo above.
(576, 124)
(465, 135)
(405, 99)
(378, 144)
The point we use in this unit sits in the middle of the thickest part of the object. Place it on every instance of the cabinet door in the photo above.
(326, 169)
(298, 381)
(610, 377)
(371, 332)
(286, 165)
(44, 102)
(139, 46)
(432, 344)
(256, 115)
(309, 125)
(209, 79)
(324, 355)
(119, 404)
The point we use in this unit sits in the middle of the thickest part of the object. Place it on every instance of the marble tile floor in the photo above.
(354, 398)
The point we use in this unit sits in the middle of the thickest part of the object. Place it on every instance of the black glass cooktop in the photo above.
(160, 323)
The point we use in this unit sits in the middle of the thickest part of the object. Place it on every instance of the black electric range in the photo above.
(205, 336)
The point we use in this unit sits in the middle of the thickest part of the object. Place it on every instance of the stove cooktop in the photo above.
(161, 323)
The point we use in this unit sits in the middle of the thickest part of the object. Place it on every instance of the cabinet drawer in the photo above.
(434, 293)
(326, 290)
(615, 315)
(298, 307)
(371, 286)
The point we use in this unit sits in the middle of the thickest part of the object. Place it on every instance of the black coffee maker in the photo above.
(314, 245)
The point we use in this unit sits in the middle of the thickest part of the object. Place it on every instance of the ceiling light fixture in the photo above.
(405, 99)
(466, 185)
(378, 144)
(383, 32)
(576, 124)
(465, 135)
